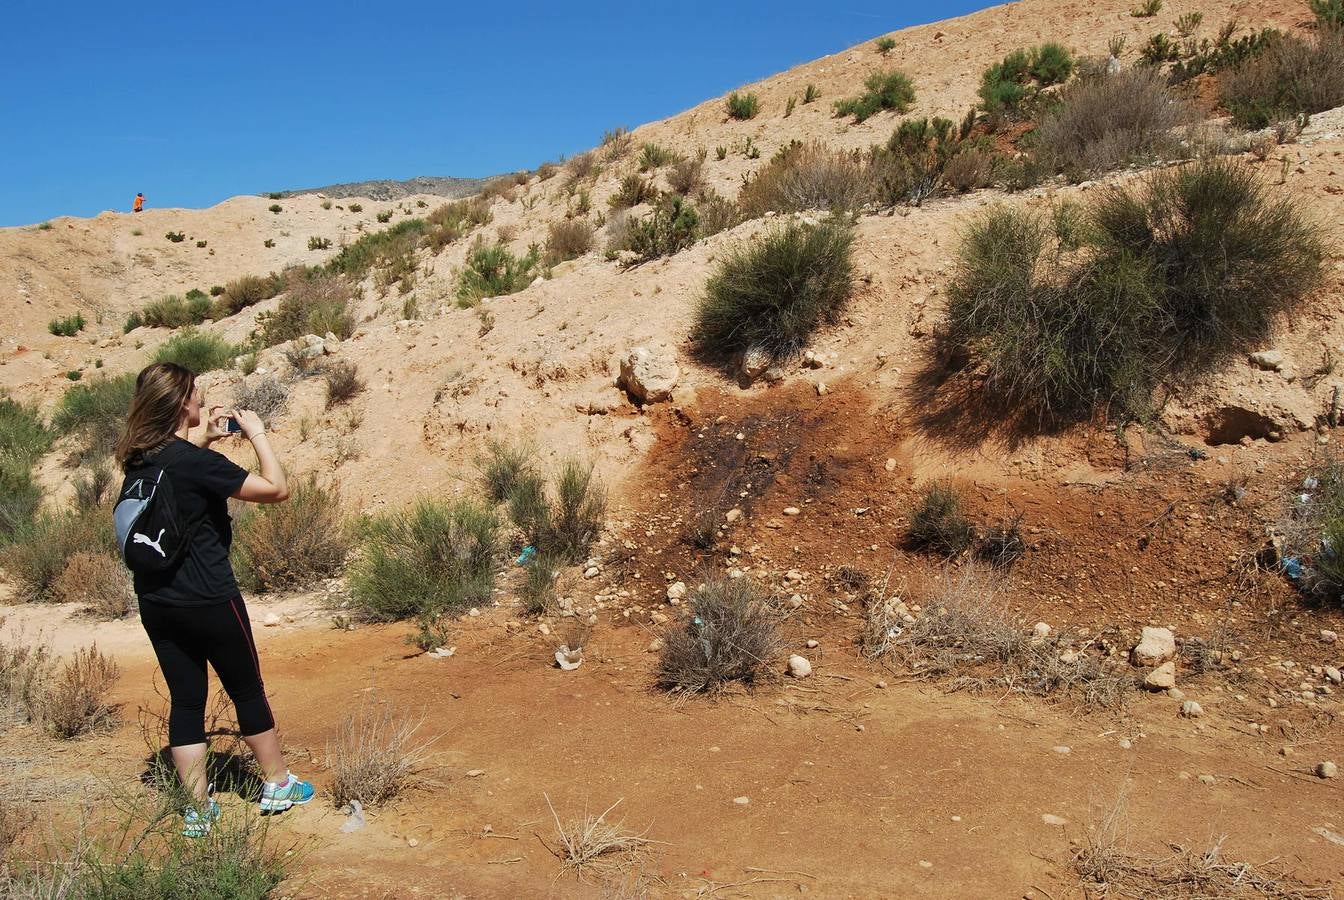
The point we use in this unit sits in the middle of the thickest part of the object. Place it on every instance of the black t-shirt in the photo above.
(203, 481)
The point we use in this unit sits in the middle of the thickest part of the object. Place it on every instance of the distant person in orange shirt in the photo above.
(139, 205)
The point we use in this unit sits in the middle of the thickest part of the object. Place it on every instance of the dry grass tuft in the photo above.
(343, 383)
(76, 701)
(731, 635)
(594, 845)
(966, 635)
(98, 580)
(374, 755)
(1185, 874)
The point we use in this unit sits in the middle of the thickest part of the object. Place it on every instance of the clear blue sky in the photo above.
(195, 102)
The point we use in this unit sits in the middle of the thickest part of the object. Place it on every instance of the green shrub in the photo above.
(743, 106)
(1172, 278)
(775, 292)
(1287, 78)
(671, 227)
(885, 45)
(67, 327)
(492, 271)
(216, 290)
(436, 557)
(654, 156)
(731, 634)
(1147, 9)
(378, 248)
(39, 553)
(565, 522)
(275, 195)
(319, 243)
(199, 351)
(290, 545)
(687, 176)
(95, 411)
(174, 312)
(275, 208)
(356, 207)
(632, 192)
(247, 291)
(1051, 64)
(23, 436)
(1102, 123)
(1208, 57)
(883, 90)
(384, 217)
(909, 167)
(20, 500)
(501, 467)
(540, 574)
(807, 176)
(315, 305)
(616, 142)
(937, 524)
(811, 94)
(133, 321)
(1328, 13)
(176, 237)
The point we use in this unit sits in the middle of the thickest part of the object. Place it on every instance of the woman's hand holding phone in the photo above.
(249, 423)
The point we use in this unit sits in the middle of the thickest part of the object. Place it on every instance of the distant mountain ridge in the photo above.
(388, 189)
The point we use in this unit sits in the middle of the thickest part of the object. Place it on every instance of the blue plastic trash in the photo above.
(1292, 567)
(527, 554)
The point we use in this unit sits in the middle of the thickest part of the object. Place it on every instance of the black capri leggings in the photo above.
(184, 639)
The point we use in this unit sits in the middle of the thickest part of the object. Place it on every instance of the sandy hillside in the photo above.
(864, 780)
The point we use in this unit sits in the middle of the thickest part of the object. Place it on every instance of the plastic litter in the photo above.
(1311, 482)
(528, 552)
(355, 820)
(1292, 567)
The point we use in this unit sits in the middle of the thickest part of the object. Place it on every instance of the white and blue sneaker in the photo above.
(278, 797)
(196, 823)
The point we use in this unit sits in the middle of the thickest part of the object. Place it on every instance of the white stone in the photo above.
(475, 773)
(799, 667)
(813, 644)
(649, 376)
(754, 363)
(1333, 674)
(1328, 636)
(741, 801)
(271, 620)
(1041, 630)
(1327, 769)
(732, 515)
(791, 510)
(591, 572)
(676, 591)
(1191, 709)
(1057, 821)
(1156, 646)
(1161, 678)
(1270, 360)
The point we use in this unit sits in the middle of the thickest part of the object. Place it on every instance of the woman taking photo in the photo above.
(191, 607)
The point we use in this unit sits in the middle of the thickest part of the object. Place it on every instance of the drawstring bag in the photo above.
(150, 532)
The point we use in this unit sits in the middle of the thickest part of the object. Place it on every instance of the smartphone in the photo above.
(232, 426)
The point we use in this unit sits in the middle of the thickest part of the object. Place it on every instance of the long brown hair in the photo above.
(156, 409)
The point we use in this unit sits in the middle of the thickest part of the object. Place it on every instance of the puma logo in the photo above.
(139, 538)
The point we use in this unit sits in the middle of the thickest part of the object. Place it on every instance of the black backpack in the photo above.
(151, 534)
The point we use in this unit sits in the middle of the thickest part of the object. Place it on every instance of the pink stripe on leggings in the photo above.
(256, 660)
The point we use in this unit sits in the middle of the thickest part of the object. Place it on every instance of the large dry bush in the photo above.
(76, 700)
(966, 634)
(730, 635)
(807, 176)
(1290, 77)
(246, 291)
(568, 239)
(264, 395)
(1104, 122)
(36, 560)
(281, 546)
(26, 668)
(1162, 279)
(374, 755)
(343, 383)
(774, 292)
(98, 581)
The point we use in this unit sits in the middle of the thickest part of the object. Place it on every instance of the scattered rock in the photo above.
(474, 612)
(1058, 821)
(1328, 636)
(812, 360)
(655, 645)
(1156, 646)
(791, 510)
(271, 620)
(1208, 779)
(889, 465)
(1333, 674)
(544, 628)
(881, 684)
(813, 644)
(754, 363)
(1126, 743)
(821, 388)
(442, 652)
(1161, 678)
(732, 515)
(741, 801)
(649, 376)
(1176, 693)
(591, 572)
(1269, 360)
(676, 591)
(799, 667)
(1327, 769)
(1041, 630)
(1191, 709)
